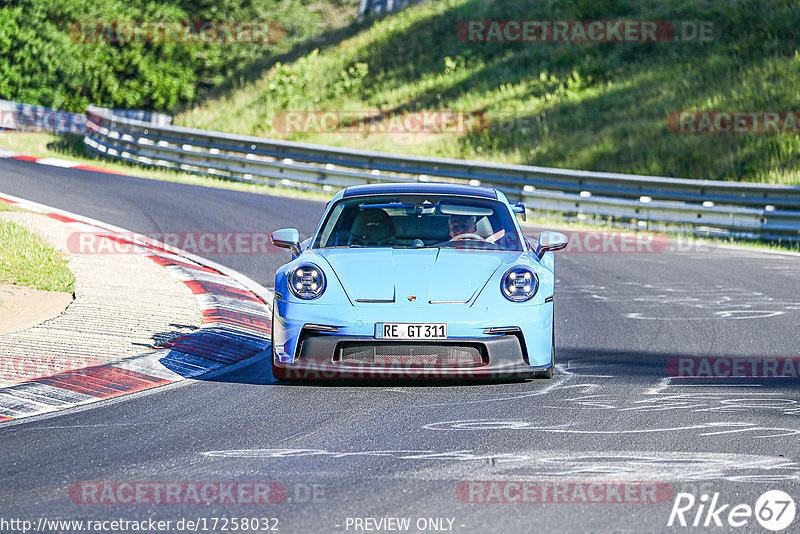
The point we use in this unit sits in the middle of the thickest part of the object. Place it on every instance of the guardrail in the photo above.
(30, 118)
(757, 211)
(15, 116)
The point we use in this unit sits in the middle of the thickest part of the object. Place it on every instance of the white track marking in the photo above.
(55, 162)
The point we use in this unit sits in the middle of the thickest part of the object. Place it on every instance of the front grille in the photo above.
(410, 355)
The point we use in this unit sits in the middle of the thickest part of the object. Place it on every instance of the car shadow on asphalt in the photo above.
(260, 373)
(214, 349)
(764, 371)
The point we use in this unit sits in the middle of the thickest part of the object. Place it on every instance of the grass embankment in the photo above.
(572, 105)
(594, 106)
(27, 260)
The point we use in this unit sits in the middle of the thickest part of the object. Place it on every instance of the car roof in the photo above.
(425, 187)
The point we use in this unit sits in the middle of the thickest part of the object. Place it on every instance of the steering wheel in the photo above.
(461, 237)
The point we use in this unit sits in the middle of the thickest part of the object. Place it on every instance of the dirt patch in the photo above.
(24, 307)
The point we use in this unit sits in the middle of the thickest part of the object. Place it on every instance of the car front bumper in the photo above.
(321, 341)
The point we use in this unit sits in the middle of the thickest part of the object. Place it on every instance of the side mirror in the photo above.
(287, 238)
(519, 207)
(550, 242)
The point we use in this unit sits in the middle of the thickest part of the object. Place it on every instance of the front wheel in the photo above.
(550, 371)
(278, 373)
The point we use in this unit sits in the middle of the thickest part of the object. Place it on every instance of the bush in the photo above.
(42, 62)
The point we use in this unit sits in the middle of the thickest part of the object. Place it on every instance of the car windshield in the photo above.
(419, 221)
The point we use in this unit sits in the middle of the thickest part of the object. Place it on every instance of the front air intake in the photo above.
(410, 355)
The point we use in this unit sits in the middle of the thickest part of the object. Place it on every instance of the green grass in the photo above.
(27, 260)
(600, 107)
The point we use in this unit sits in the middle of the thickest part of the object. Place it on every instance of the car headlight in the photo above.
(519, 284)
(307, 282)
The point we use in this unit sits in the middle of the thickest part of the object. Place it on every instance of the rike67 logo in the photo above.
(774, 510)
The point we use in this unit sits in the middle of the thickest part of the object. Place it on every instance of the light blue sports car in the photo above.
(415, 281)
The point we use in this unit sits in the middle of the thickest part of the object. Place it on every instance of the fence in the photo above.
(749, 210)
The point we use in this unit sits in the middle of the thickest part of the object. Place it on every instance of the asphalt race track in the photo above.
(350, 455)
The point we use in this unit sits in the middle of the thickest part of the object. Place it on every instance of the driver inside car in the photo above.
(463, 226)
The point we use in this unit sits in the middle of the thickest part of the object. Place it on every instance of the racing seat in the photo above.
(373, 227)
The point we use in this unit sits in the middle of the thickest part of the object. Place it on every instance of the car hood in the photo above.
(428, 275)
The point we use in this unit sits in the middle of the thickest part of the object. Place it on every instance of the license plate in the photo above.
(411, 330)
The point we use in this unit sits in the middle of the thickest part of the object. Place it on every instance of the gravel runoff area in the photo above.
(125, 304)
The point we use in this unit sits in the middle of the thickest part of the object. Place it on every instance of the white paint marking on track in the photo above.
(15, 406)
(722, 386)
(55, 162)
(183, 274)
(611, 465)
(662, 385)
(84, 227)
(725, 314)
(569, 428)
(48, 393)
(44, 396)
(209, 301)
(149, 364)
(564, 374)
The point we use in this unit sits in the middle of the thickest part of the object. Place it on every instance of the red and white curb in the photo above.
(54, 162)
(235, 330)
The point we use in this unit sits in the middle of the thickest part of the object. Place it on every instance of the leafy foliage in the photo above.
(44, 61)
(581, 105)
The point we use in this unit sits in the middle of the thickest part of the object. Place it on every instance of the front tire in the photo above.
(278, 373)
(550, 371)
